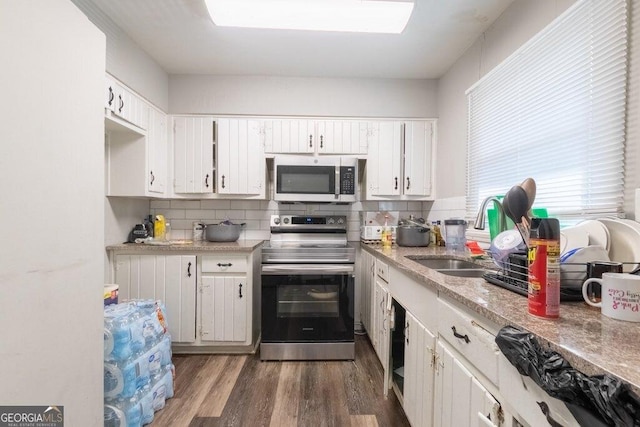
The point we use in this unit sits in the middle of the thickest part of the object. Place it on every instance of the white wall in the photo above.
(200, 94)
(51, 182)
(519, 22)
(127, 61)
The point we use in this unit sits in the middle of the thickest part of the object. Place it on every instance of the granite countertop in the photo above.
(594, 344)
(240, 246)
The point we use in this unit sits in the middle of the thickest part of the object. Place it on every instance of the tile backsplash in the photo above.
(256, 214)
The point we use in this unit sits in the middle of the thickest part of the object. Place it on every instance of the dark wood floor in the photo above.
(240, 390)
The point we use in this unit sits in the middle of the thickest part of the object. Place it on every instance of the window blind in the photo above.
(555, 111)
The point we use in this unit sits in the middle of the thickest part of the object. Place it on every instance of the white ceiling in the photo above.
(181, 37)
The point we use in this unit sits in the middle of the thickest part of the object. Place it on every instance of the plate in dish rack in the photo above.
(625, 241)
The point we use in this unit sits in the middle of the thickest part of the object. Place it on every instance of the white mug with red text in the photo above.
(620, 295)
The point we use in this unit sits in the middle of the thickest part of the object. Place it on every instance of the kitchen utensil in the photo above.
(516, 206)
(529, 186)
(412, 233)
(226, 231)
(620, 296)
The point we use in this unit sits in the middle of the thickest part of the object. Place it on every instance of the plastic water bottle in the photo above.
(117, 332)
(114, 416)
(122, 379)
(145, 398)
(163, 388)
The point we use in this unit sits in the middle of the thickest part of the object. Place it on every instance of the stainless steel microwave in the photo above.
(316, 179)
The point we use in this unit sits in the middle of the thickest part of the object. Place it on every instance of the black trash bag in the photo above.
(611, 399)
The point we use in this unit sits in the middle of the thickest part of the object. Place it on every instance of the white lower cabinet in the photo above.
(229, 300)
(212, 301)
(419, 374)
(224, 309)
(170, 279)
(460, 398)
(381, 327)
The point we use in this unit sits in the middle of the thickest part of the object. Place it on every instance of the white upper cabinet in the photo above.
(241, 166)
(288, 136)
(418, 145)
(342, 137)
(124, 104)
(399, 163)
(157, 152)
(193, 155)
(302, 136)
(384, 163)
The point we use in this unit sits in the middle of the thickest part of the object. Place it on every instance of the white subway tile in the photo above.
(215, 204)
(201, 214)
(185, 204)
(160, 204)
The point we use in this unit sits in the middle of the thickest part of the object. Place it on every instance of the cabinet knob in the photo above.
(310, 140)
(408, 183)
(396, 185)
(321, 141)
(223, 185)
(240, 290)
(153, 178)
(189, 270)
(206, 181)
(226, 264)
(111, 96)
(121, 104)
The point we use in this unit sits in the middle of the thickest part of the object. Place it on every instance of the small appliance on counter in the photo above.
(139, 231)
(372, 224)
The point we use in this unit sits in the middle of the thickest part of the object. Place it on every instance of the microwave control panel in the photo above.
(347, 180)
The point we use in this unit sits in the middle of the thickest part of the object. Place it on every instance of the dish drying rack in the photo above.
(514, 276)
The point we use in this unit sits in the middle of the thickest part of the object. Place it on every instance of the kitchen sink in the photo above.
(444, 263)
(450, 266)
(465, 272)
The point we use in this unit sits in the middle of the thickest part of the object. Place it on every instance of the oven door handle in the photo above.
(302, 269)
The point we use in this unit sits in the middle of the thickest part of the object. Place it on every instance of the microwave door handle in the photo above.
(337, 181)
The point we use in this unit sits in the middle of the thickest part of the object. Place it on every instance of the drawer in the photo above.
(471, 340)
(224, 264)
(382, 270)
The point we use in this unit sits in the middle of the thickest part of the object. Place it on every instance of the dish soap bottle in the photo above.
(386, 235)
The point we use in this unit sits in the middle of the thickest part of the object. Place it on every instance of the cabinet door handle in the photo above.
(223, 186)
(240, 290)
(321, 141)
(153, 178)
(111, 96)
(462, 337)
(206, 181)
(226, 264)
(121, 104)
(396, 186)
(310, 141)
(408, 183)
(189, 270)
(406, 333)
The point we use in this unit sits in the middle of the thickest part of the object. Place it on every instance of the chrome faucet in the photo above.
(480, 219)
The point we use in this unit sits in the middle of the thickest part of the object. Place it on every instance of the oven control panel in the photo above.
(302, 222)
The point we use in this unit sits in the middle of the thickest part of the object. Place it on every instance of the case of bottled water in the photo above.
(138, 373)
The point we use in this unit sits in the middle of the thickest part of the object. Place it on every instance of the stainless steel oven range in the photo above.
(308, 276)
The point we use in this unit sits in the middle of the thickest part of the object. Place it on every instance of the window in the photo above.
(555, 111)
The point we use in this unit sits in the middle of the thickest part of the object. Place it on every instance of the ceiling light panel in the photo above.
(365, 16)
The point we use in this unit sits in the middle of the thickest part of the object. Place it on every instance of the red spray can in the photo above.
(544, 268)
